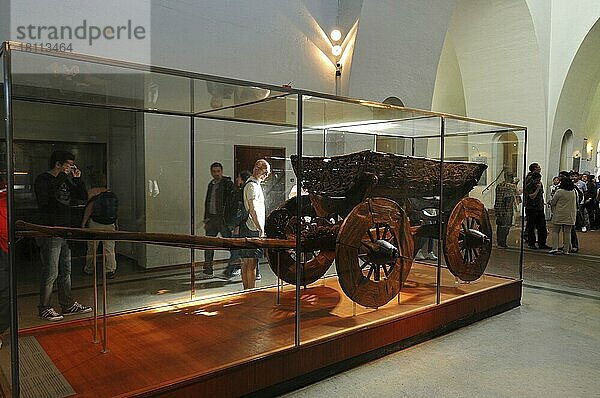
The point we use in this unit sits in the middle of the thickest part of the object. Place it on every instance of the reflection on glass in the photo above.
(498, 196)
(54, 79)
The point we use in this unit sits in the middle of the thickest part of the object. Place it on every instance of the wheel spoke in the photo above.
(385, 231)
(465, 257)
(377, 231)
(386, 272)
(371, 235)
(365, 265)
(393, 239)
(370, 271)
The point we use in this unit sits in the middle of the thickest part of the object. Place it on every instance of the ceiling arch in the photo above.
(578, 106)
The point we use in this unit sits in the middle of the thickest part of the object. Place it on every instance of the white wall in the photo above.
(570, 23)
(579, 102)
(448, 94)
(491, 53)
(166, 162)
(398, 48)
(271, 41)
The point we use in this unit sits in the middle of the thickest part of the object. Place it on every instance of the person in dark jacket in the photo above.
(589, 200)
(55, 189)
(219, 190)
(534, 208)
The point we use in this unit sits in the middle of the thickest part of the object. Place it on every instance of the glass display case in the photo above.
(372, 213)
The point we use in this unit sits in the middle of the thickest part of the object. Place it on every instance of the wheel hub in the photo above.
(474, 239)
(382, 252)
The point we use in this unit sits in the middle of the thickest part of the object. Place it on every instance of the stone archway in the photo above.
(393, 101)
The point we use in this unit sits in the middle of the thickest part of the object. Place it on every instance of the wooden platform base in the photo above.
(244, 344)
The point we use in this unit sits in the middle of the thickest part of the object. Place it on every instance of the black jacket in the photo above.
(536, 203)
(224, 190)
(55, 195)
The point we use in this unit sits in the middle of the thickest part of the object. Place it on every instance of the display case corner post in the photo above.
(440, 211)
(523, 206)
(299, 127)
(7, 103)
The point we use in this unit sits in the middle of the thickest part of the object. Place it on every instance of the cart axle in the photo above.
(474, 239)
(381, 252)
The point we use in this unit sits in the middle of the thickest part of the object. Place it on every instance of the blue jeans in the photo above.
(214, 226)
(56, 266)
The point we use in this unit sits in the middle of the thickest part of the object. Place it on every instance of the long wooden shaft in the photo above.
(179, 240)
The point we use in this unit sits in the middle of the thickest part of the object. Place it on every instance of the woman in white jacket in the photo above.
(564, 214)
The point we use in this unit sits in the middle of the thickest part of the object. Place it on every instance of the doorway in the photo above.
(274, 186)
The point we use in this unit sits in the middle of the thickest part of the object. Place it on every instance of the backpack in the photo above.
(235, 210)
(234, 205)
(106, 208)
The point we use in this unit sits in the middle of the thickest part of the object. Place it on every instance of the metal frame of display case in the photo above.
(9, 47)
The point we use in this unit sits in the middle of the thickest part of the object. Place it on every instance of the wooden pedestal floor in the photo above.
(245, 343)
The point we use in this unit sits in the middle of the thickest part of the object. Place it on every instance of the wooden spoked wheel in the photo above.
(283, 261)
(374, 252)
(468, 240)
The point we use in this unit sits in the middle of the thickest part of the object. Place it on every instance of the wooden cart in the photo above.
(359, 211)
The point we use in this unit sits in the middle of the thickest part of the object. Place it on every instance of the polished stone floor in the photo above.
(548, 347)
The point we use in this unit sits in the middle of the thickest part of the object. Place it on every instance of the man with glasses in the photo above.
(254, 202)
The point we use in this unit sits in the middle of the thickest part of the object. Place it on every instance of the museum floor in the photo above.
(547, 347)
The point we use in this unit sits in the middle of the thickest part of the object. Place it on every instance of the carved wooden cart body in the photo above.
(359, 211)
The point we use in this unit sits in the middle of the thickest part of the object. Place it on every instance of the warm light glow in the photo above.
(336, 50)
(336, 35)
(576, 154)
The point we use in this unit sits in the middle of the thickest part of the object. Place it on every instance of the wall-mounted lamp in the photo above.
(576, 155)
(335, 35)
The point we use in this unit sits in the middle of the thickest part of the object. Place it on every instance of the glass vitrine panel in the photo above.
(6, 329)
(380, 187)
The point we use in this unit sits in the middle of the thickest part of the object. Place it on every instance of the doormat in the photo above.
(37, 373)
